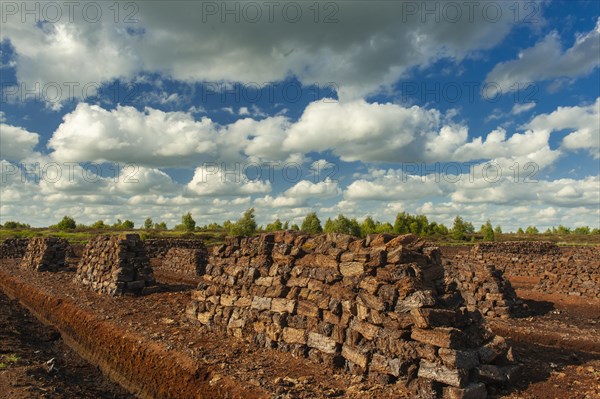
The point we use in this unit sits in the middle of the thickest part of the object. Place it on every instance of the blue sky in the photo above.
(489, 112)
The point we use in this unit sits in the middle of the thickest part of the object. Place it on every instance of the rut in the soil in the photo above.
(36, 363)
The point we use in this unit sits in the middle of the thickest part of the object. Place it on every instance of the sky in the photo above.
(127, 110)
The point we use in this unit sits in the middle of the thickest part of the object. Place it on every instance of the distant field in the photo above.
(84, 235)
(217, 236)
(559, 239)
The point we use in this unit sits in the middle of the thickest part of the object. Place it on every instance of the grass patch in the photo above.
(11, 358)
(8, 360)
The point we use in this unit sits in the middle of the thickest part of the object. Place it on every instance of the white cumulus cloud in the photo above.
(548, 60)
(16, 142)
(582, 122)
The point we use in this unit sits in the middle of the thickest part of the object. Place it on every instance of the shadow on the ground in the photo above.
(539, 362)
(533, 308)
(176, 287)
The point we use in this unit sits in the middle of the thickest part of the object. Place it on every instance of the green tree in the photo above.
(275, 226)
(213, 226)
(160, 226)
(148, 223)
(329, 227)
(469, 228)
(459, 229)
(354, 227)
(343, 225)
(246, 226)
(99, 224)
(128, 224)
(582, 230)
(311, 224)
(488, 231)
(402, 223)
(15, 225)
(286, 225)
(384, 228)
(440, 229)
(563, 230)
(187, 222)
(430, 229)
(67, 223)
(531, 230)
(520, 231)
(10, 225)
(498, 229)
(368, 226)
(419, 225)
(295, 227)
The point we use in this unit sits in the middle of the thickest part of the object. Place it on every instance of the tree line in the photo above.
(404, 223)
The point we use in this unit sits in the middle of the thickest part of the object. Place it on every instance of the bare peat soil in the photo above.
(558, 344)
(36, 363)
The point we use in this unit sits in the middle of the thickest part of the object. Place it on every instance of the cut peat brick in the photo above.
(443, 337)
(472, 391)
(454, 377)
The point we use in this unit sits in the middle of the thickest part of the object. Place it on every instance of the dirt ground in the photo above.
(558, 343)
(36, 363)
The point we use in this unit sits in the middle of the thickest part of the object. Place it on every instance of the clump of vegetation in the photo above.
(160, 226)
(123, 225)
(67, 223)
(488, 231)
(343, 225)
(246, 226)
(531, 230)
(8, 360)
(187, 223)
(148, 223)
(460, 229)
(15, 225)
(275, 226)
(311, 224)
(99, 225)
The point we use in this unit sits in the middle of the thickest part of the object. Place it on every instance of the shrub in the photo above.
(67, 223)
(531, 230)
(311, 224)
(275, 226)
(246, 226)
(488, 231)
(459, 229)
(15, 225)
(128, 224)
(187, 222)
(98, 225)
